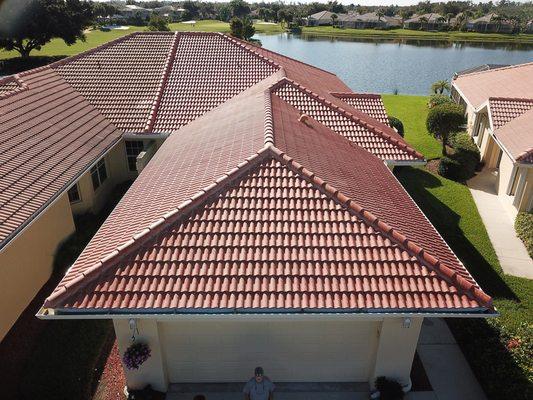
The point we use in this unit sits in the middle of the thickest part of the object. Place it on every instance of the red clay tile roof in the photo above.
(122, 78)
(9, 85)
(387, 146)
(49, 135)
(208, 69)
(512, 121)
(503, 110)
(249, 208)
(369, 103)
(515, 81)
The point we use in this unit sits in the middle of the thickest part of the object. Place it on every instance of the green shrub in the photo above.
(466, 153)
(450, 168)
(523, 225)
(443, 120)
(389, 389)
(396, 123)
(438, 99)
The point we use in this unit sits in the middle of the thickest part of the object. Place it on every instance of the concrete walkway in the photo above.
(499, 222)
(445, 365)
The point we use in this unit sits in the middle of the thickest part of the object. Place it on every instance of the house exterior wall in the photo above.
(92, 200)
(218, 349)
(525, 203)
(27, 262)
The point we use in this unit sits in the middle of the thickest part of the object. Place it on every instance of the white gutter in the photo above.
(250, 314)
(417, 163)
(145, 136)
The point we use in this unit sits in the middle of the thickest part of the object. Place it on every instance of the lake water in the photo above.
(386, 66)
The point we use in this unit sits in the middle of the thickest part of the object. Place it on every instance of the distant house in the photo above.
(172, 13)
(320, 18)
(490, 23)
(429, 22)
(499, 109)
(529, 27)
(368, 20)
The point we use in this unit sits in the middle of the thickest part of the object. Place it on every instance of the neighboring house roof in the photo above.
(512, 121)
(515, 81)
(325, 15)
(431, 17)
(49, 135)
(480, 68)
(484, 19)
(258, 206)
(159, 82)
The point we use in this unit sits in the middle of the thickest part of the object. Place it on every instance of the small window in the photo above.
(74, 194)
(98, 174)
(133, 149)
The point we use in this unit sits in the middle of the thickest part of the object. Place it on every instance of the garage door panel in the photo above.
(203, 351)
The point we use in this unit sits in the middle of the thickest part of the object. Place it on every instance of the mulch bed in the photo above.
(112, 381)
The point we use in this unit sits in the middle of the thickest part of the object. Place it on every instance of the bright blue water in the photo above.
(405, 66)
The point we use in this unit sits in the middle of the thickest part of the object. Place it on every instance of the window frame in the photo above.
(78, 192)
(131, 159)
(99, 174)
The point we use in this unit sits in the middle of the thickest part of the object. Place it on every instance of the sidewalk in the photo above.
(446, 367)
(510, 250)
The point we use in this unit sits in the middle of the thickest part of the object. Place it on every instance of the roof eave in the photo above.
(199, 313)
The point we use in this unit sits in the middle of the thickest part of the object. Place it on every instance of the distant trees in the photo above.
(26, 26)
(239, 8)
(158, 23)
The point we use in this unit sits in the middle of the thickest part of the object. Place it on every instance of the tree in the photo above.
(158, 23)
(380, 13)
(334, 18)
(444, 119)
(192, 9)
(423, 22)
(498, 21)
(440, 86)
(25, 26)
(242, 28)
(239, 8)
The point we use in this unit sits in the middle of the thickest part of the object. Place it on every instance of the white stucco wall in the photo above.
(227, 350)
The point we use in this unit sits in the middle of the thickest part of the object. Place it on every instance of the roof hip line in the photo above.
(203, 195)
(394, 235)
(162, 83)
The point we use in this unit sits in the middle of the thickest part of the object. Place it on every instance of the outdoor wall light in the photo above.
(133, 328)
(406, 323)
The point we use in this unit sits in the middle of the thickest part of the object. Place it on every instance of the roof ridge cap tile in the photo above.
(169, 62)
(395, 235)
(269, 119)
(340, 95)
(82, 278)
(238, 43)
(402, 145)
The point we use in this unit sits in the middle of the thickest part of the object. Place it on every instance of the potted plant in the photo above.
(136, 355)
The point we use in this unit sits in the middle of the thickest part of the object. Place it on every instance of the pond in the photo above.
(387, 66)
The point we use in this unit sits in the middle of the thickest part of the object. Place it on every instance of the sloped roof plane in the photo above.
(272, 235)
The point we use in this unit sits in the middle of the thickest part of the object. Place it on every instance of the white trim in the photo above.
(332, 314)
(400, 163)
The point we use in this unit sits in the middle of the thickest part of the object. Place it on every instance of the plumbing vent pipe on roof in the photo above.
(303, 118)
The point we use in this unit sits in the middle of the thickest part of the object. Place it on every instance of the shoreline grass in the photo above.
(454, 36)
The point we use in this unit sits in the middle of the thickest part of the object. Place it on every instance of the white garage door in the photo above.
(303, 351)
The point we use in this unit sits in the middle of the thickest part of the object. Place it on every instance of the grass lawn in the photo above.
(96, 37)
(413, 34)
(412, 111)
(499, 350)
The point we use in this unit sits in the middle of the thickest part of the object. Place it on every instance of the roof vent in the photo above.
(303, 118)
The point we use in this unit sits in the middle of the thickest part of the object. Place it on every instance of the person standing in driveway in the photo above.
(259, 387)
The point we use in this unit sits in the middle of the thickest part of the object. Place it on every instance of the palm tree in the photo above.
(497, 19)
(440, 86)
(380, 13)
(334, 18)
(423, 20)
(439, 20)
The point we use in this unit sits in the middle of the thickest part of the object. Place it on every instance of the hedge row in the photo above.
(524, 229)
